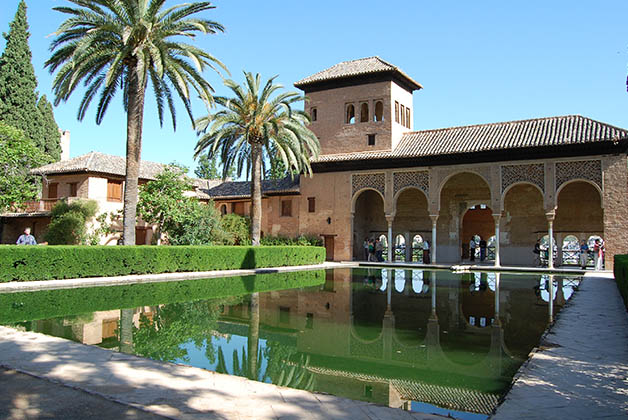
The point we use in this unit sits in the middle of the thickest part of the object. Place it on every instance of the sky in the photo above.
(478, 61)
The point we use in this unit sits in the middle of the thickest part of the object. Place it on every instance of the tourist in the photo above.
(26, 238)
(379, 250)
(482, 249)
(537, 253)
(584, 254)
(472, 246)
(371, 250)
(598, 254)
(365, 244)
(426, 252)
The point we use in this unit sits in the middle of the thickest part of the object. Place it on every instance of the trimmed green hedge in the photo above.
(28, 263)
(45, 304)
(621, 275)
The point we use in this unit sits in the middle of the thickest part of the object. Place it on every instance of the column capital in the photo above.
(434, 217)
(497, 217)
(390, 218)
(550, 216)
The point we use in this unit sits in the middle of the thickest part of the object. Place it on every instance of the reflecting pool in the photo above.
(430, 341)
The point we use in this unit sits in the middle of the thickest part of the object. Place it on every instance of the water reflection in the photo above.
(386, 336)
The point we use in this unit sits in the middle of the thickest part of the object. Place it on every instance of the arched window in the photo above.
(384, 242)
(544, 245)
(379, 111)
(571, 250)
(417, 248)
(364, 112)
(223, 209)
(350, 114)
(400, 248)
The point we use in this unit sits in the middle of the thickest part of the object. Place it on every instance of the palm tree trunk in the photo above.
(256, 193)
(126, 331)
(135, 117)
(253, 337)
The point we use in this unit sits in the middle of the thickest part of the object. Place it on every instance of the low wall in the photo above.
(28, 263)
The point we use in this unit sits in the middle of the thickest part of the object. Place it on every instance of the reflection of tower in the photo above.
(388, 323)
(497, 333)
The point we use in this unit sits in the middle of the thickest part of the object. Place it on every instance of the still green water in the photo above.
(431, 341)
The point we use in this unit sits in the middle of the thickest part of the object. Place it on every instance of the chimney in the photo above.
(65, 144)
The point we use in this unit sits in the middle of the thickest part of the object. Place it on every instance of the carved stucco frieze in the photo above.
(376, 181)
(533, 173)
(418, 179)
(591, 170)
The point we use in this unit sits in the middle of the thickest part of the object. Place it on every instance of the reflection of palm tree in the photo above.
(126, 330)
(253, 337)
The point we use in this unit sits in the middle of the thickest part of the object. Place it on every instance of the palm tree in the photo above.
(249, 126)
(111, 45)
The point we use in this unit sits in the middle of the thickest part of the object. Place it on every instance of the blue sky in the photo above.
(479, 62)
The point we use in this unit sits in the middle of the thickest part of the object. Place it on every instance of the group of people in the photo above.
(473, 245)
(374, 250)
(585, 250)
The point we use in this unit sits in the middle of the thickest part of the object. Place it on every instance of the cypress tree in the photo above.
(50, 130)
(18, 84)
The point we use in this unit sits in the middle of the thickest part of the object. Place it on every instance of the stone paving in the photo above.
(580, 370)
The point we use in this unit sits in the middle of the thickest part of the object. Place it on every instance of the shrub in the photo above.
(62, 262)
(302, 240)
(68, 223)
(621, 275)
(237, 228)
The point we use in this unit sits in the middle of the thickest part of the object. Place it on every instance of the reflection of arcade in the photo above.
(395, 336)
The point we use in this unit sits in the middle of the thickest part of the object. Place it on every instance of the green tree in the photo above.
(19, 105)
(18, 155)
(111, 45)
(237, 228)
(208, 169)
(164, 203)
(68, 222)
(249, 125)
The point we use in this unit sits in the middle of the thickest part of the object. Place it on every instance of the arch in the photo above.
(400, 248)
(407, 187)
(515, 184)
(223, 209)
(379, 112)
(453, 174)
(359, 193)
(417, 248)
(369, 221)
(477, 223)
(571, 250)
(350, 114)
(587, 181)
(364, 112)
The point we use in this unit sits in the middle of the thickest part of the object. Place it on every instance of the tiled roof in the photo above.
(511, 135)
(362, 66)
(242, 189)
(99, 163)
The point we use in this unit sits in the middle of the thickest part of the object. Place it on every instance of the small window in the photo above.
(379, 111)
(364, 112)
(284, 315)
(371, 138)
(314, 114)
(311, 204)
(396, 111)
(286, 208)
(403, 115)
(114, 190)
(52, 190)
(73, 189)
(350, 114)
(408, 117)
(309, 321)
(223, 209)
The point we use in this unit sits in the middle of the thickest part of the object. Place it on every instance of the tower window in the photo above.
(403, 115)
(311, 204)
(371, 139)
(286, 208)
(350, 114)
(364, 112)
(379, 111)
(408, 117)
(396, 111)
(314, 114)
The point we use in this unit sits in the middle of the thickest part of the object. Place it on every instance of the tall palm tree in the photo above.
(111, 45)
(255, 121)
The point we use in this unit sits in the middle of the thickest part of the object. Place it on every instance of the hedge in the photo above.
(29, 306)
(28, 263)
(621, 275)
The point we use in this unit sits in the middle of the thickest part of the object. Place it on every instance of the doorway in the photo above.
(329, 247)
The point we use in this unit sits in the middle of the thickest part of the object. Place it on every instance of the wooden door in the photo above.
(329, 248)
(140, 236)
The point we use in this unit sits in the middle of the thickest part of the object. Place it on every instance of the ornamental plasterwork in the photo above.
(374, 181)
(591, 170)
(418, 179)
(532, 173)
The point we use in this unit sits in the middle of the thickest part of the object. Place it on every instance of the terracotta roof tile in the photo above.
(242, 189)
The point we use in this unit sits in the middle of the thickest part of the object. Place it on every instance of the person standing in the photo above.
(426, 252)
(365, 245)
(482, 249)
(537, 254)
(372, 251)
(379, 250)
(26, 238)
(584, 254)
(472, 246)
(598, 254)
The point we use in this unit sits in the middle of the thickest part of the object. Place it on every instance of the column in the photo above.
(497, 281)
(551, 298)
(434, 218)
(497, 218)
(433, 287)
(389, 219)
(352, 244)
(550, 232)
